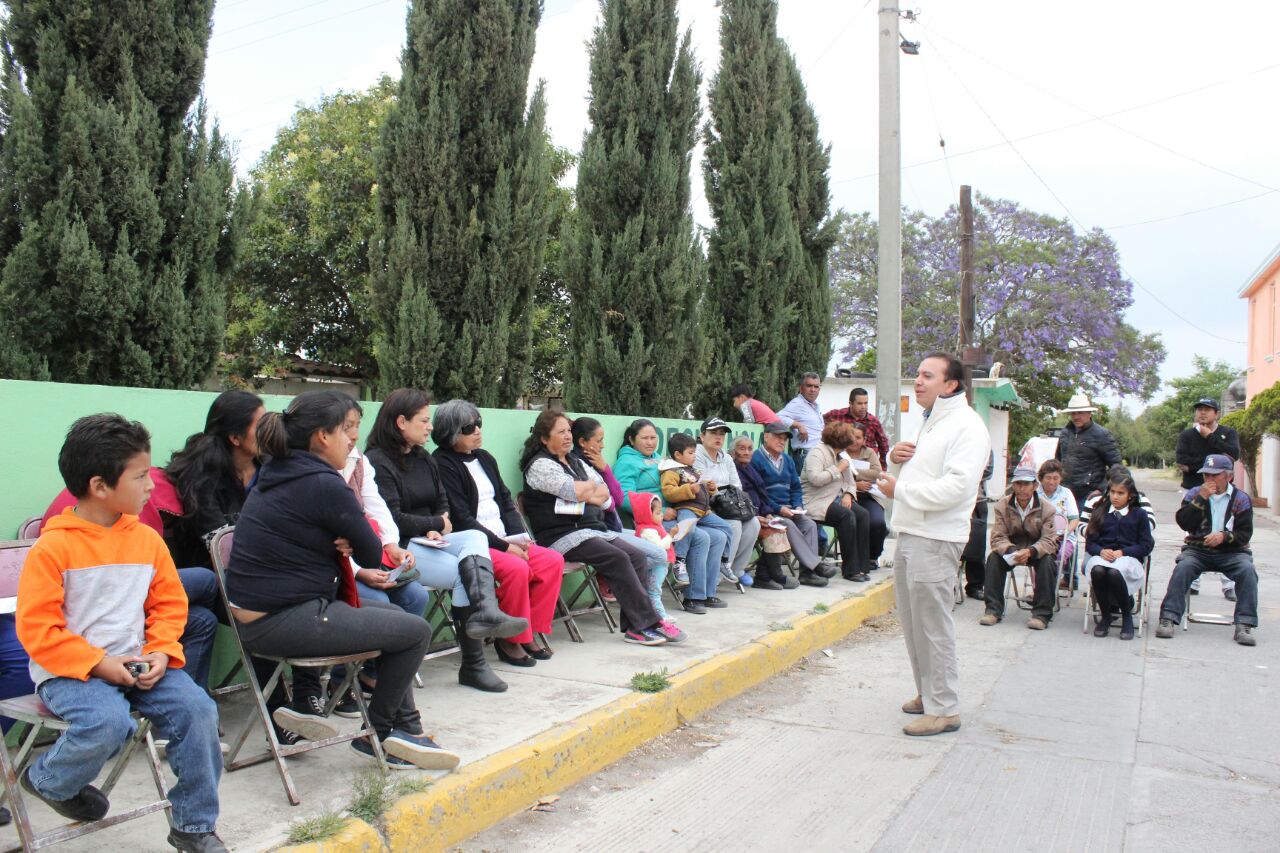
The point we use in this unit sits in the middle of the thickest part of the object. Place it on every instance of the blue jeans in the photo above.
(714, 522)
(704, 546)
(438, 567)
(1192, 562)
(410, 597)
(15, 676)
(100, 725)
(657, 557)
(201, 586)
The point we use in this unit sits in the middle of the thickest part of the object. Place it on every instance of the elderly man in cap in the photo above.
(777, 471)
(1195, 444)
(1085, 449)
(1218, 519)
(714, 465)
(1023, 535)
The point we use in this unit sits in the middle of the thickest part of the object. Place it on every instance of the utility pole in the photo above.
(889, 297)
(967, 306)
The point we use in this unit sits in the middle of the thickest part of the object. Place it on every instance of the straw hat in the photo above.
(1079, 403)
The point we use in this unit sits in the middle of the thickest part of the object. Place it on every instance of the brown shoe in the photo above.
(1035, 623)
(913, 706)
(931, 725)
(988, 619)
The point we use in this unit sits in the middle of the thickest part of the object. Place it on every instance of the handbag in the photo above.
(731, 503)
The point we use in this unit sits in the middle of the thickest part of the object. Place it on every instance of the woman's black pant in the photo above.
(879, 529)
(853, 527)
(626, 569)
(1110, 590)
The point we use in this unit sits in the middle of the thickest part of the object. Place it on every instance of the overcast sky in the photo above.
(1153, 120)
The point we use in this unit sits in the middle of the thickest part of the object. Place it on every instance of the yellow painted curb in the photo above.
(506, 782)
(356, 837)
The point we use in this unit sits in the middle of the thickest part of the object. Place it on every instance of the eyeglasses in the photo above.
(470, 429)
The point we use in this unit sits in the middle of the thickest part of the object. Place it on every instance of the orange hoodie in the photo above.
(88, 591)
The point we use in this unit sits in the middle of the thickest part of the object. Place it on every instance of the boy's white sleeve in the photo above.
(376, 508)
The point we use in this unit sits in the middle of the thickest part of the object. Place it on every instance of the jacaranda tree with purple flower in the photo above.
(1050, 302)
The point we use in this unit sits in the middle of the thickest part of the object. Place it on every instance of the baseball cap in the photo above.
(1024, 475)
(1207, 401)
(1217, 463)
(713, 423)
(777, 426)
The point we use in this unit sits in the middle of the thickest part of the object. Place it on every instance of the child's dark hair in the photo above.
(100, 446)
(1104, 503)
(679, 442)
(740, 389)
(281, 433)
(386, 435)
(206, 459)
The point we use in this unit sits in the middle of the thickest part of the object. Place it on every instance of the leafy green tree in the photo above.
(1176, 412)
(303, 286)
(119, 218)
(551, 311)
(633, 263)
(756, 257)
(463, 203)
(809, 335)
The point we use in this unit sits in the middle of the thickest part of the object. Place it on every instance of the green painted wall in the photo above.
(34, 416)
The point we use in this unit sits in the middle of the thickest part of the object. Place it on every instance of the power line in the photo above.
(345, 14)
(1063, 204)
(1191, 212)
(839, 35)
(260, 21)
(942, 141)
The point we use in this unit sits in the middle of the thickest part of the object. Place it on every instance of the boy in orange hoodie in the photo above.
(100, 612)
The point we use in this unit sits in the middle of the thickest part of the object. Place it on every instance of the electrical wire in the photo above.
(839, 35)
(307, 25)
(1064, 206)
(1191, 212)
(251, 24)
(942, 140)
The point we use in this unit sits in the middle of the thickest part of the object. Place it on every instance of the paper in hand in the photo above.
(682, 529)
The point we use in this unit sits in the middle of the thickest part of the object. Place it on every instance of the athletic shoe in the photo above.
(195, 842)
(726, 571)
(419, 750)
(365, 750)
(307, 717)
(605, 591)
(1165, 629)
(681, 573)
(746, 580)
(645, 637)
(712, 601)
(812, 579)
(826, 569)
(347, 707)
(669, 631)
(693, 605)
(1244, 635)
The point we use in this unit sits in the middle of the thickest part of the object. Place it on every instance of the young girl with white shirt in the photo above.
(1118, 539)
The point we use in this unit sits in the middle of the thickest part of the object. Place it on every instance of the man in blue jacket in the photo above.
(782, 484)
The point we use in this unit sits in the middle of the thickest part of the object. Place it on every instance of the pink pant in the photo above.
(529, 589)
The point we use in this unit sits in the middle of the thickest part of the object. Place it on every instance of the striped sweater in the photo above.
(89, 592)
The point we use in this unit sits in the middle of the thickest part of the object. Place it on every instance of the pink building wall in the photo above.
(1263, 352)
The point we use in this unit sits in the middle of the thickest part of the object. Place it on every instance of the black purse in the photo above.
(731, 503)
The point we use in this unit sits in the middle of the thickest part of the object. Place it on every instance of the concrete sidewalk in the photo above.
(1069, 743)
(561, 720)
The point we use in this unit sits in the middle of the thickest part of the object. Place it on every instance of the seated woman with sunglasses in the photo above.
(411, 484)
(563, 504)
(529, 575)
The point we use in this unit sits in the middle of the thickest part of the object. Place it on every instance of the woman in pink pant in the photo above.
(528, 575)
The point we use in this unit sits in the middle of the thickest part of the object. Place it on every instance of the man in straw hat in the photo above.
(1085, 449)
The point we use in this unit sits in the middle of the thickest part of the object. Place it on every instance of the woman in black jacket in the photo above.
(291, 591)
(410, 482)
(528, 575)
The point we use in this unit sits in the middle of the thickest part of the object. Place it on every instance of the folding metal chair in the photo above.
(567, 610)
(1204, 618)
(31, 711)
(440, 607)
(1141, 601)
(30, 528)
(220, 548)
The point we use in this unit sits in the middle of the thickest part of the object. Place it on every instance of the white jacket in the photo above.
(937, 487)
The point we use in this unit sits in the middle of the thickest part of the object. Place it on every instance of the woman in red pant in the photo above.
(528, 575)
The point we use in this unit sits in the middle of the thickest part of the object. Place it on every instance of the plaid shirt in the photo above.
(877, 440)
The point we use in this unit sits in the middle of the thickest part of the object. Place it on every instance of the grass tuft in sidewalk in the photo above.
(316, 828)
(819, 608)
(781, 626)
(651, 682)
(375, 793)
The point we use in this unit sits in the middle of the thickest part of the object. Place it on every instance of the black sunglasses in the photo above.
(472, 427)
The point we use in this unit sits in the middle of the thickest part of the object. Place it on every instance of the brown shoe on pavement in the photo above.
(1035, 623)
(931, 725)
(988, 619)
(913, 706)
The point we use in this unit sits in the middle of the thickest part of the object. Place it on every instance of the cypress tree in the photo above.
(119, 221)
(633, 263)
(755, 255)
(464, 203)
(810, 332)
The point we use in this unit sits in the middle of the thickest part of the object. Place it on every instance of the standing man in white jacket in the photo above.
(936, 483)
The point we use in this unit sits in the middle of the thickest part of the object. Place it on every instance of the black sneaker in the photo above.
(88, 805)
(712, 601)
(767, 583)
(812, 579)
(285, 737)
(347, 707)
(306, 717)
(693, 605)
(826, 569)
(365, 750)
(5, 817)
(789, 582)
(196, 842)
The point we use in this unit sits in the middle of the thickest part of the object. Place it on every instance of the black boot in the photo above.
(487, 619)
(1126, 626)
(474, 669)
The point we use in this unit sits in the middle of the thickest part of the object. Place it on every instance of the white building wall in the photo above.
(1268, 484)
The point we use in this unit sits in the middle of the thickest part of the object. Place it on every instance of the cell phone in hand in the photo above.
(137, 668)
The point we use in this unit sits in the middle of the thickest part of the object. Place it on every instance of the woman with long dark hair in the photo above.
(563, 504)
(412, 486)
(529, 575)
(291, 594)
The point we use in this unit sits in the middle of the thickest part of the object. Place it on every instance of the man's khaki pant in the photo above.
(924, 574)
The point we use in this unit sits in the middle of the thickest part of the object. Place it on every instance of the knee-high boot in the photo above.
(486, 619)
(474, 670)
